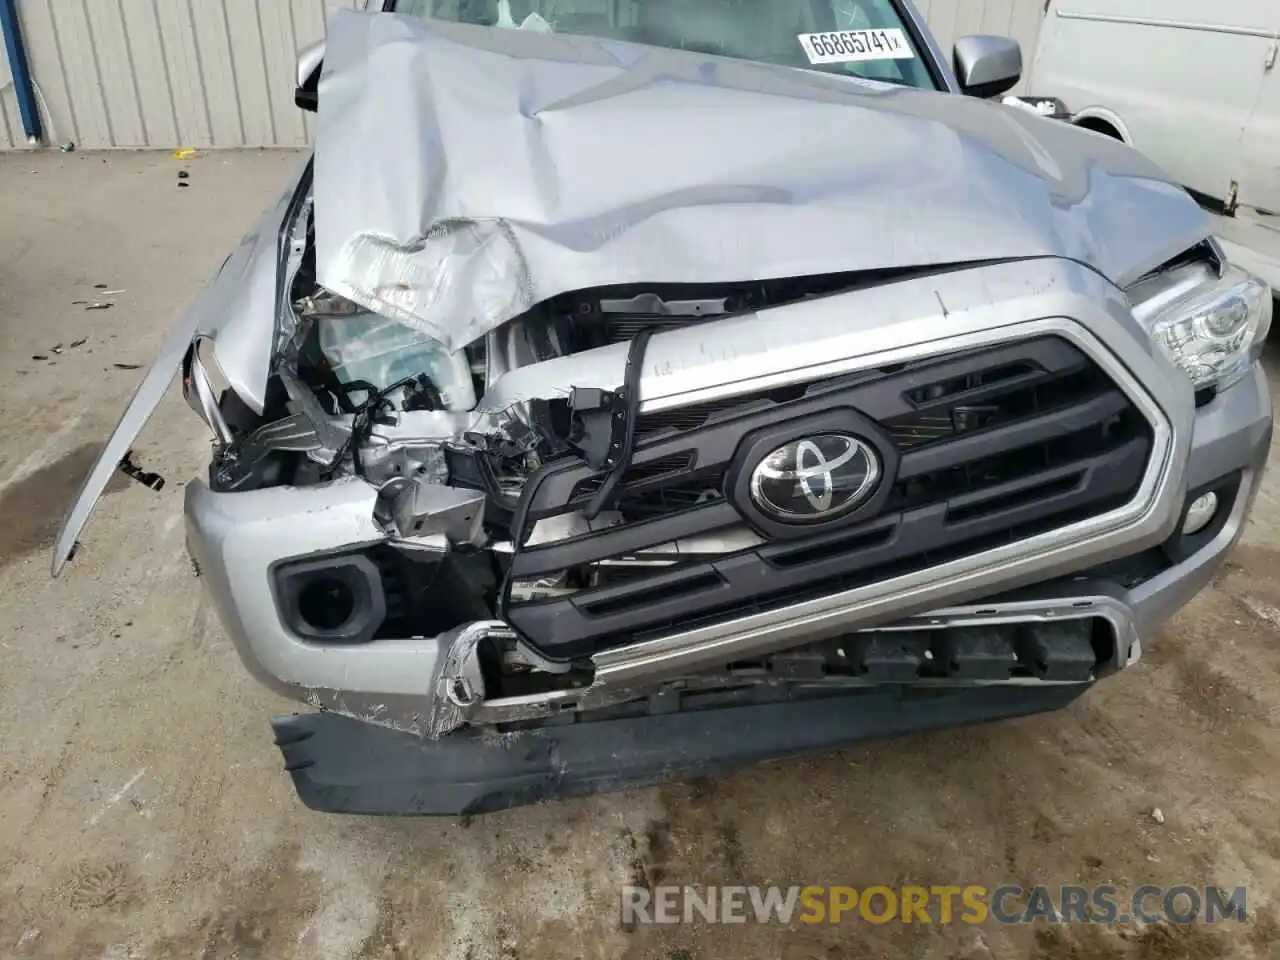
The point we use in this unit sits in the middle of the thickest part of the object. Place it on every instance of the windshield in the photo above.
(862, 38)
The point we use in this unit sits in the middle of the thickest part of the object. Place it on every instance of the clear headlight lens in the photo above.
(1211, 327)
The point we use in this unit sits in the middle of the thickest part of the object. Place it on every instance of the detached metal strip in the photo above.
(1169, 24)
(1056, 609)
(200, 395)
(1050, 610)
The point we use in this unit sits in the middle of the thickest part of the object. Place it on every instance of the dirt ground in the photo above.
(144, 811)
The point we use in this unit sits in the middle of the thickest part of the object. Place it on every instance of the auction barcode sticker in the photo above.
(851, 46)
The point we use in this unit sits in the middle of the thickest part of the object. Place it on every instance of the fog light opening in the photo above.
(1199, 513)
(326, 604)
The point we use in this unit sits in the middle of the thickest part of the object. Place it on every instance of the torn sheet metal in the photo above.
(237, 309)
(464, 173)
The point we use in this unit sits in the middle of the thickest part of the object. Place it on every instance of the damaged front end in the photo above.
(660, 474)
(559, 517)
(557, 535)
(388, 505)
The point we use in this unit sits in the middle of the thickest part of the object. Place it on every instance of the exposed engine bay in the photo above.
(491, 447)
(353, 394)
(835, 409)
(533, 515)
(356, 393)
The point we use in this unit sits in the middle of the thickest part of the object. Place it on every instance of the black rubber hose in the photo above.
(361, 421)
(630, 395)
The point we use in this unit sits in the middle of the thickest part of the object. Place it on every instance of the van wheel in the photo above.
(1100, 126)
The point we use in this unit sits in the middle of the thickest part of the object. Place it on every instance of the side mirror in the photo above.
(987, 66)
(307, 78)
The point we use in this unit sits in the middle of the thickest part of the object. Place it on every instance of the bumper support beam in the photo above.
(341, 765)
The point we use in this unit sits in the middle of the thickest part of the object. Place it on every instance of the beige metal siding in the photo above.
(219, 73)
(165, 73)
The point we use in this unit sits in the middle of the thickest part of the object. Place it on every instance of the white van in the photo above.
(1195, 85)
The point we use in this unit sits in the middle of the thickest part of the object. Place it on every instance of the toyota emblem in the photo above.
(816, 478)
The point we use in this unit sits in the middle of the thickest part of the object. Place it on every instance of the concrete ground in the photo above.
(144, 812)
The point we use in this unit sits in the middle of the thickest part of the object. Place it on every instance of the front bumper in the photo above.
(238, 539)
(340, 765)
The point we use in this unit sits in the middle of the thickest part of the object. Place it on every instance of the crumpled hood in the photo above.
(464, 173)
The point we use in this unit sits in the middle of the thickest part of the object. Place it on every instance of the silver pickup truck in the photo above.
(647, 388)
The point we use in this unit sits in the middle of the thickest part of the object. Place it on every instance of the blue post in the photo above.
(17, 54)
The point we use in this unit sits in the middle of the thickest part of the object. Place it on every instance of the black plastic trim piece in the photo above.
(355, 571)
(622, 443)
(341, 765)
(632, 538)
(995, 441)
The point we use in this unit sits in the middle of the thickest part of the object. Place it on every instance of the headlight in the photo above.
(1210, 326)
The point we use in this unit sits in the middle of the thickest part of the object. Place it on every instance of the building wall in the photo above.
(219, 73)
(1020, 19)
